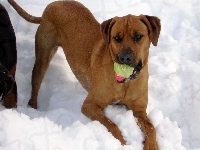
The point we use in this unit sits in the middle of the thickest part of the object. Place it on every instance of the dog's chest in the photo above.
(120, 91)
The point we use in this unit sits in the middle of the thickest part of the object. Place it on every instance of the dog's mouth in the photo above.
(133, 76)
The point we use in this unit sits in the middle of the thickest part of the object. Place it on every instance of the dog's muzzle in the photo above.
(127, 57)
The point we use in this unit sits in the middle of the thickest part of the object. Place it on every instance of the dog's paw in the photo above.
(150, 145)
(9, 105)
(32, 104)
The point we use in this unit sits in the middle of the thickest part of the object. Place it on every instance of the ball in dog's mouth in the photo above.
(125, 72)
(122, 71)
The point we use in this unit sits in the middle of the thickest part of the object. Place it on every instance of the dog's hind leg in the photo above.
(45, 47)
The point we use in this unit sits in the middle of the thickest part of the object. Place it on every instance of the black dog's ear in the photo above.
(106, 29)
(154, 27)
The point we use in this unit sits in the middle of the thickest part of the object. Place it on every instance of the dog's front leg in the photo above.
(10, 100)
(94, 112)
(148, 130)
(139, 110)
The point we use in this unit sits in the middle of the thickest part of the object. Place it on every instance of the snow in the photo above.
(174, 86)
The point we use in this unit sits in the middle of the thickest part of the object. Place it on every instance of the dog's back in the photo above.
(72, 26)
(77, 31)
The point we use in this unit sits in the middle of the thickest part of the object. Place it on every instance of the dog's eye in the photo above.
(118, 38)
(137, 37)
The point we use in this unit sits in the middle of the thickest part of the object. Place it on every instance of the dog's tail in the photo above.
(24, 14)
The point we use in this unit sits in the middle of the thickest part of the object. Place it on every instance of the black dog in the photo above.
(8, 60)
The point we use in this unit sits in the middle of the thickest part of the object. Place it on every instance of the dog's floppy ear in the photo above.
(106, 29)
(154, 27)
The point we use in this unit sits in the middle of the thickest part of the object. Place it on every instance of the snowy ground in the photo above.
(58, 124)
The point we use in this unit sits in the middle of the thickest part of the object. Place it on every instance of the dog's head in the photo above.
(129, 38)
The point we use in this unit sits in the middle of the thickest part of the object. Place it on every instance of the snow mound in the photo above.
(19, 131)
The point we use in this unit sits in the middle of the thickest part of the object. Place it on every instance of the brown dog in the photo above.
(91, 50)
(8, 60)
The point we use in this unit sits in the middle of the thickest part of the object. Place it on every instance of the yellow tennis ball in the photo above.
(123, 70)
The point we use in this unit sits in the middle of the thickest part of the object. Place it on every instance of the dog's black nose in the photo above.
(126, 57)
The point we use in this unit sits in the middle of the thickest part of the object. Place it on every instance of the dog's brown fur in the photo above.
(91, 50)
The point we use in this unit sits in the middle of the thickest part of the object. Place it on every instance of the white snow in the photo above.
(58, 124)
